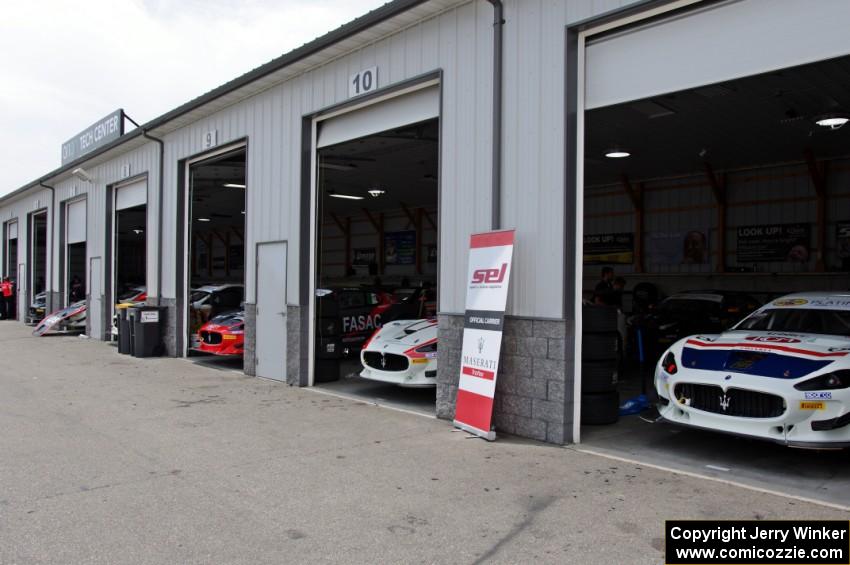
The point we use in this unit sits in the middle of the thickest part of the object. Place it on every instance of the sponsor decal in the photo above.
(810, 405)
(772, 339)
(790, 302)
(360, 323)
(820, 395)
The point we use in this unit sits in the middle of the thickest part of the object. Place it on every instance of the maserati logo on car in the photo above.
(383, 361)
(724, 402)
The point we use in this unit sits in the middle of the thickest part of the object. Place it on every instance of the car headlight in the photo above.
(829, 381)
(669, 364)
(430, 348)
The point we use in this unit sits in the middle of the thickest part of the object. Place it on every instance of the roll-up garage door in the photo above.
(76, 229)
(382, 116)
(13, 230)
(131, 195)
(713, 44)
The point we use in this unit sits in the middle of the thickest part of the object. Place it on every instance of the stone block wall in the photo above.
(533, 387)
(250, 356)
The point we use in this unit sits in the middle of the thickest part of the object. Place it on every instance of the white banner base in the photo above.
(489, 436)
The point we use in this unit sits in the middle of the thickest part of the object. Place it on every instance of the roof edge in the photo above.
(362, 23)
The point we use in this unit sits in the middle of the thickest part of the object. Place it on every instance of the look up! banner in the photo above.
(490, 256)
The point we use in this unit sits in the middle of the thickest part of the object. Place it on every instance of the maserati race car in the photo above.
(403, 352)
(223, 335)
(781, 374)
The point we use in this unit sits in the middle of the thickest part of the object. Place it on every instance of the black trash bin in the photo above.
(147, 326)
(123, 329)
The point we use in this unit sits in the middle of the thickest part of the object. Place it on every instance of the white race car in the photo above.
(781, 374)
(403, 352)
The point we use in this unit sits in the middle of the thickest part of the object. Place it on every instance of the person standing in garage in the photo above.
(6, 290)
(604, 291)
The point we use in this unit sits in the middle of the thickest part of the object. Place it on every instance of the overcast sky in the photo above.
(64, 65)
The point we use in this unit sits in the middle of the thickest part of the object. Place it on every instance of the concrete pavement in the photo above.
(108, 459)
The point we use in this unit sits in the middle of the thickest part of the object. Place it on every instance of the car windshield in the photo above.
(198, 295)
(802, 320)
(128, 294)
(689, 307)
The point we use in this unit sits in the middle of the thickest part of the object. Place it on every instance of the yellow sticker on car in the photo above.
(418, 361)
(809, 405)
(228, 337)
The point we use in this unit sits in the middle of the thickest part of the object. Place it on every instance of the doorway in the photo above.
(375, 277)
(215, 259)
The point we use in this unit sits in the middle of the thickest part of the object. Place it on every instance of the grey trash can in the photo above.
(147, 325)
(123, 331)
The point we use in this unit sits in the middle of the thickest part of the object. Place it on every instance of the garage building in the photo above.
(465, 116)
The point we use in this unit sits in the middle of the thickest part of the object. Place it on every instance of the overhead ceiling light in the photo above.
(203, 219)
(832, 121)
(345, 196)
(138, 231)
(376, 192)
(234, 185)
(243, 212)
(617, 154)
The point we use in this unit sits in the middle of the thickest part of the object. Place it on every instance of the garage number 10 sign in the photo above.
(490, 256)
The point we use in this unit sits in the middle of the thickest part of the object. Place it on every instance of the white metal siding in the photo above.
(458, 42)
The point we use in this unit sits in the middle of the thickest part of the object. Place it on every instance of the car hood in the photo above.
(769, 354)
(406, 333)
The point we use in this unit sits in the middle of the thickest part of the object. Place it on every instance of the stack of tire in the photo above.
(600, 353)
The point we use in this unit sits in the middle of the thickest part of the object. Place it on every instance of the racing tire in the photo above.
(327, 370)
(600, 346)
(598, 319)
(600, 409)
(598, 376)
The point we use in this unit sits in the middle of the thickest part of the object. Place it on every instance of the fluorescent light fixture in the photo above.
(617, 154)
(234, 185)
(832, 121)
(376, 192)
(81, 174)
(336, 167)
(203, 219)
(138, 231)
(243, 212)
(345, 196)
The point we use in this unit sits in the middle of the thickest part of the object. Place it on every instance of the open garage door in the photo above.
(129, 247)
(376, 272)
(215, 273)
(720, 42)
(36, 296)
(10, 266)
(74, 284)
(710, 192)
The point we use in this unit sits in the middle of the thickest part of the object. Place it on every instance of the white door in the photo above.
(271, 311)
(95, 308)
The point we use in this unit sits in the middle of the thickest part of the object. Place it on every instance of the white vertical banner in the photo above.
(490, 256)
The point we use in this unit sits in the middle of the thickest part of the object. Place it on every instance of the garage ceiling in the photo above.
(211, 199)
(750, 122)
(402, 162)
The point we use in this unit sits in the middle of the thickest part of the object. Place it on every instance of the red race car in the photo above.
(223, 335)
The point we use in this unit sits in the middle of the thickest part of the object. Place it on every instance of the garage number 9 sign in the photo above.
(363, 81)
